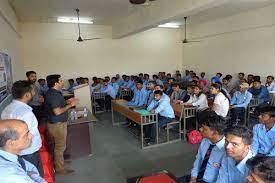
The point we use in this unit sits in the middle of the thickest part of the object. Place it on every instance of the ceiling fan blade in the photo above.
(89, 39)
(78, 25)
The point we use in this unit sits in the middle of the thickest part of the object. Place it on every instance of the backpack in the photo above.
(194, 137)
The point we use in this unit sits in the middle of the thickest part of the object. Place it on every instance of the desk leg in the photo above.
(184, 128)
(113, 118)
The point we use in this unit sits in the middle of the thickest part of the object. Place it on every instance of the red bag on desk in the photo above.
(194, 137)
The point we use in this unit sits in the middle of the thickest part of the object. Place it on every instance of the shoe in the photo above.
(65, 171)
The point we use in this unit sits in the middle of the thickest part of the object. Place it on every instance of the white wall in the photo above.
(43, 50)
(243, 42)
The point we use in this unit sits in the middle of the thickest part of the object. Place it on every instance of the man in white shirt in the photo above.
(22, 92)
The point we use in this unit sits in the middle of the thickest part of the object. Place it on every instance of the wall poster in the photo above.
(5, 76)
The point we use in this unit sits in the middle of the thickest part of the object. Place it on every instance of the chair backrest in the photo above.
(254, 102)
(98, 96)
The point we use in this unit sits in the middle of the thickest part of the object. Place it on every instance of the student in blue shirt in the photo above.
(217, 78)
(264, 132)
(157, 80)
(163, 108)
(161, 88)
(150, 88)
(239, 103)
(233, 168)
(14, 138)
(259, 91)
(146, 79)
(211, 151)
(140, 95)
(115, 85)
(43, 88)
(110, 94)
(169, 90)
(71, 85)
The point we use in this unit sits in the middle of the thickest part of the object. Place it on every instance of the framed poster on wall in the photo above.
(5, 76)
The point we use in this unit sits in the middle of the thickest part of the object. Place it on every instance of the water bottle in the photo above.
(85, 112)
(73, 115)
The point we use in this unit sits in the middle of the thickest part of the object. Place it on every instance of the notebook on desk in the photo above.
(143, 112)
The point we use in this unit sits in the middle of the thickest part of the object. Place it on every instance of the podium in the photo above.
(82, 93)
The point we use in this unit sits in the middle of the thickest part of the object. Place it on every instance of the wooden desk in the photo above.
(79, 137)
(184, 113)
(142, 120)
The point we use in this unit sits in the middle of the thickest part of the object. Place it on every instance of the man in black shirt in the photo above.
(57, 109)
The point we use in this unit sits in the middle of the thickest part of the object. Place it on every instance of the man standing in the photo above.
(237, 145)
(22, 92)
(37, 99)
(57, 110)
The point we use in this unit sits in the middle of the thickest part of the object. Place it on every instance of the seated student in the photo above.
(150, 88)
(140, 95)
(71, 85)
(95, 87)
(169, 90)
(161, 106)
(107, 78)
(250, 79)
(145, 80)
(110, 94)
(262, 169)
(216, 78)
(211, 151)
(119, 80)
(157, 80)
(187, 76)
(270, 84)
(189, 95)
(221, 102)
(78, 80)
(198, 99)
(161, 88)
(129, 84)
(264, 132)
(240, 79)
(239, 103)
(237, 146)
(203, 78)
(259, 91)
(14, 138)
(43, 88)
(115, 85)
(178, 94)
(178, 78)
(228, 87)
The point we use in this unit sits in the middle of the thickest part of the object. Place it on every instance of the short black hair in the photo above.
(270, 110)
(7, 134)
(213, 121)
(155, 76)
(139, 82)
(175, 84)
(241, 73)
(257, 78)
(241, 131)
(29, 73)
(71, 80)
(41, 79)
(263, 166)
(52, 79)
(146, 75)
(219, 74)
(178, 75)
(228, 76)
(114, 78)
(158, 92)
(161, 86)
(20, 88)
(225, 78)
(272, 77)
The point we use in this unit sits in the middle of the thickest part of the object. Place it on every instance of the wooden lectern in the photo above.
(82, 93)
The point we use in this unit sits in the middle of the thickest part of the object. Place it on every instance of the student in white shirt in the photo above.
(270, 84)
(221, 102)
(198, 99)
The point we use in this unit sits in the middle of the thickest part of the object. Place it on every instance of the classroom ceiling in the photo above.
(108, 11)
(102, 11)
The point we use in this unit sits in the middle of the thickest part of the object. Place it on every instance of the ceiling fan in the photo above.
(185, 36)
(141, 2)
(80, 39)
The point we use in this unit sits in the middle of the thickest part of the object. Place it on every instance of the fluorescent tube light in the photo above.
(75, 20)
(174, 25)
